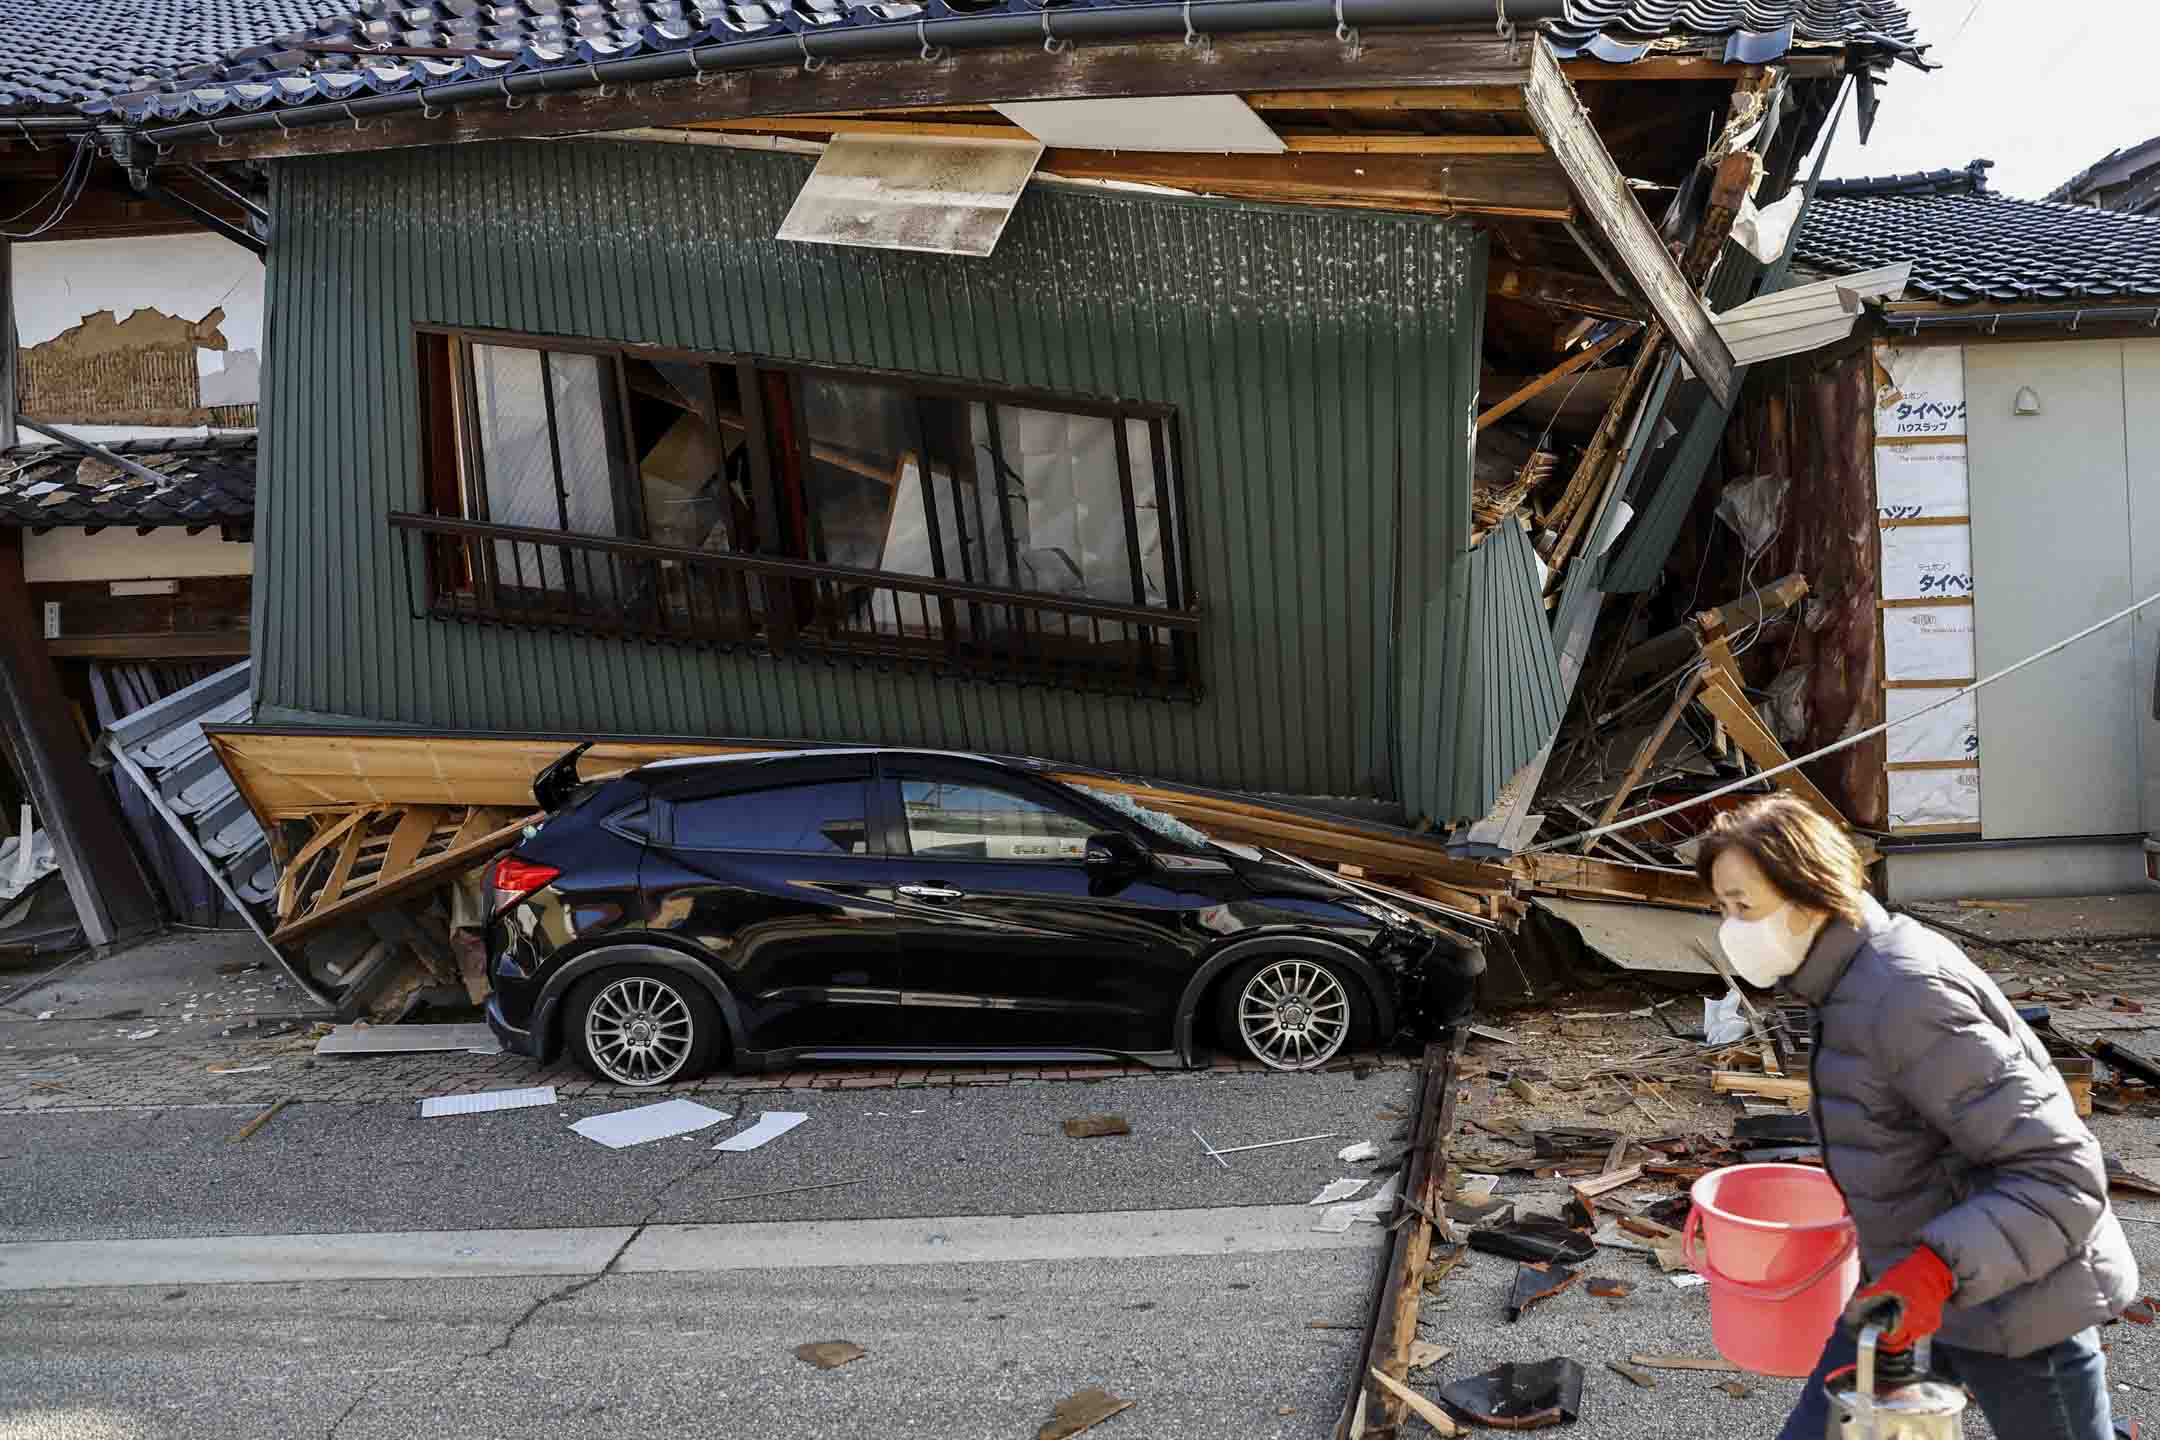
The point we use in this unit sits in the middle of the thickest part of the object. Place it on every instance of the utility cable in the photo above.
(1748, 782)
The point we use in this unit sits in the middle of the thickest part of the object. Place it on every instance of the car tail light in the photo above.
(513, 879)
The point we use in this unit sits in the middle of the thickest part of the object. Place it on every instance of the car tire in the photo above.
(643, 1026)
(1291, 1011)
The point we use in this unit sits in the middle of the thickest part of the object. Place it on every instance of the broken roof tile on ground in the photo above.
(207, 482)
(1969, 246)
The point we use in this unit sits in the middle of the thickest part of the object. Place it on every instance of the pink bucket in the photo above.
(1782, 1259)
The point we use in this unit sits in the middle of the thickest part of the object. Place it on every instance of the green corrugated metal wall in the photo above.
(1514, 670)
(1323, 364)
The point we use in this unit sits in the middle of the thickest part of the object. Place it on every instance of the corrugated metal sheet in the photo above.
(1650, 536)
(1322, 364)
(162, 748)
(1514, 669)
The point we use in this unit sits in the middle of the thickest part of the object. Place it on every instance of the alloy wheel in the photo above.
(1294, 1015)
(639, 1031)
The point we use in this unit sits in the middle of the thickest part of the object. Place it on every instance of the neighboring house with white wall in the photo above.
(2012, 457)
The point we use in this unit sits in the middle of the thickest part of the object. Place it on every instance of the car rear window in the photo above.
(825, 818)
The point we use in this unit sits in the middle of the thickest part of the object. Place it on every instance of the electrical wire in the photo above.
(61, 195)
(1750, 781)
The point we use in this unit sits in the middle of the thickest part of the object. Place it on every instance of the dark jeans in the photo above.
(2059, 1393)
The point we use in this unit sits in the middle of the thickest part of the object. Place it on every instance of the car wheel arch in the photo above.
(547, 1011)
(1217, 965)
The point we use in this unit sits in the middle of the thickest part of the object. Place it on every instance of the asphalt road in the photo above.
(994, 1150)
(1204, 1346)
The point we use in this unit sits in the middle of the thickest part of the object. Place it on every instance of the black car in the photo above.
(917, 907)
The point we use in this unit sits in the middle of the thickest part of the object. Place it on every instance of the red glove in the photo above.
(1908, 1298)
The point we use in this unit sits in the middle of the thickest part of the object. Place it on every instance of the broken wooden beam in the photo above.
(1554, 376)
(1669, 649)
(1616, 223)
(1561, 289)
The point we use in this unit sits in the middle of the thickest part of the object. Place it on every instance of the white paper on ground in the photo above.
(771, 1125)
(1688, 1282)
(648, 1122)
(1927, 642)
(1338, 1190)
(1376, 1208)
(1336, 1219)
(486, 1101)
(1477, 1186)
(1363, 1150)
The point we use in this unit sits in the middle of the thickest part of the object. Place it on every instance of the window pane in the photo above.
(1066, 506)
(822, 819)
(519, 480)
(980, 822)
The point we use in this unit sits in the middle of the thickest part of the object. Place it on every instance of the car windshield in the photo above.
(1169, 827)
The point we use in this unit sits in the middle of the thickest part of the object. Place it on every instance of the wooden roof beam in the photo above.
(1583, 294)
(1523, 187)
(1366, 143)
(1616, 224)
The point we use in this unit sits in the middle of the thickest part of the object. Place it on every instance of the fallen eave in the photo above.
(1613, 227)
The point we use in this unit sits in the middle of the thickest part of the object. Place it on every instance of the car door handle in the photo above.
(930, 892)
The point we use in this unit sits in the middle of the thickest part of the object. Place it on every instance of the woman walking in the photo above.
(1980, 1197)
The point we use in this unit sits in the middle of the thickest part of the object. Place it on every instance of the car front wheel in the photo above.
(1290, 1012)
(643, 1026)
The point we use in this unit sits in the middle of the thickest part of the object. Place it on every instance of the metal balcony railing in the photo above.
(595, 585)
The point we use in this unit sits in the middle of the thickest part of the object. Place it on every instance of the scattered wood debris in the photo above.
(1684, 1362)
(1090, 1127)
(248, 1130)
(1424, 1354)
(1080, 1411)
(1738, 1389)
(1642, 1378)
(1607, 1288)
(830, 1354)
(1421, 1407)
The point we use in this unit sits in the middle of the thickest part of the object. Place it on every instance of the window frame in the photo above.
(452, 470)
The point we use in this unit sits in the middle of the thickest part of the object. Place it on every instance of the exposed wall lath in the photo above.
(1322, 365)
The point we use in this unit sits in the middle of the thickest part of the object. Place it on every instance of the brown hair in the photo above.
(1804, 854)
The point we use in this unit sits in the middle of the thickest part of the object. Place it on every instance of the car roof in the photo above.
(692, 762)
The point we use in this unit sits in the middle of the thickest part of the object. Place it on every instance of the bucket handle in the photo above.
(1699, 1261)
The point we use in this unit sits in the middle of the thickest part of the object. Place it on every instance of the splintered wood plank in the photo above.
(330, 833)
(418, 877)
(413, 829)
(1721, 699)
(1489, 98)
(1554, 376)
(1603, 194)
(1646, 754)
(340, 872)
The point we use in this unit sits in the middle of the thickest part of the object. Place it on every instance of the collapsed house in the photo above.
(1234, 401)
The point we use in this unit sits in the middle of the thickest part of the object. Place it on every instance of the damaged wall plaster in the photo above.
(115, 553)
(143, 334)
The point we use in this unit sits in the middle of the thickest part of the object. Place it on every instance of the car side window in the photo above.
(826, 818)
(962, 820)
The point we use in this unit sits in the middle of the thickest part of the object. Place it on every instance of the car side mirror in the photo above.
(1112, 850)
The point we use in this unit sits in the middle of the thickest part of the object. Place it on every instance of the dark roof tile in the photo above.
(208, 482)
(1968, 246)
(143, 58)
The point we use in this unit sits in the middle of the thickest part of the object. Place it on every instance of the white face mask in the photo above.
(1765, 951)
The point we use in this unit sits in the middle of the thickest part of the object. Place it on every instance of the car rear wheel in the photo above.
(643, 1026)
(1290, 1012)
